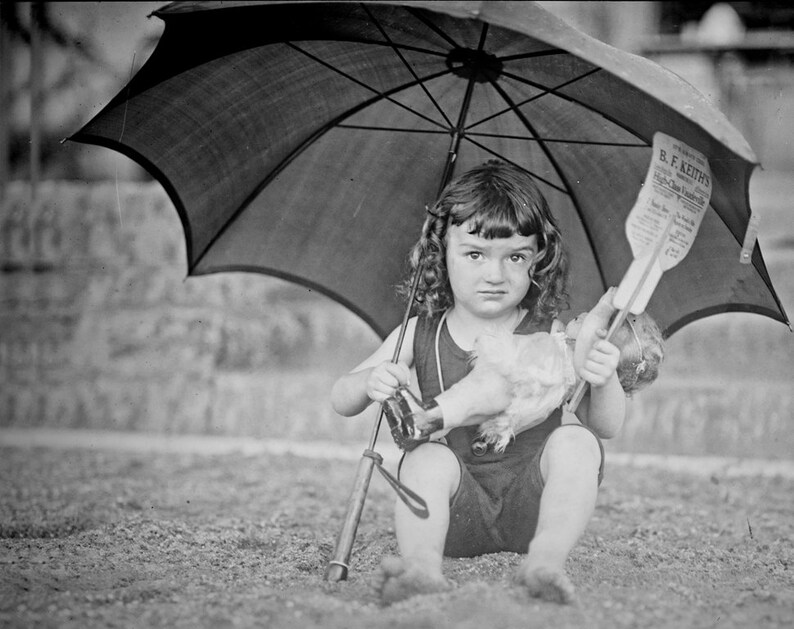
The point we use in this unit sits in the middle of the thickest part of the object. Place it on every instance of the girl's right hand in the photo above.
(384, 379)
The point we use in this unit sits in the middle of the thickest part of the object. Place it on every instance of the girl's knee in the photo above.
(574, 447)
(430, 463)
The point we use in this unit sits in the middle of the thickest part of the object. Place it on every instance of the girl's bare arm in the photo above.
(376, 378)
(604, 409)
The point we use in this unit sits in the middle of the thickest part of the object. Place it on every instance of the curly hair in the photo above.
(498, 200)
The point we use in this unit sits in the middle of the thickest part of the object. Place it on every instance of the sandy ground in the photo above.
(177, 537)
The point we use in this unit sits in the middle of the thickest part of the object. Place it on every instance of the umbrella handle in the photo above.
(338, 566)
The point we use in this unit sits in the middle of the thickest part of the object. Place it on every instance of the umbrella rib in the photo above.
(531, 55)
(399, 129)
(384, 95)
(375, 42)
(529, 172)
(555, 140)
(571, 99)
(560, 173)
(544, 92)
(408, 66)
(433, 27)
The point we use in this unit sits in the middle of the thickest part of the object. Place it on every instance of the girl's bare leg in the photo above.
(569, 464)
(433, 472)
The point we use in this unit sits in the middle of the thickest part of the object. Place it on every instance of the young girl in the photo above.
(492, 261)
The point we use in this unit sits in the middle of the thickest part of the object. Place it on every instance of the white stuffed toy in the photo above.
(539, 370)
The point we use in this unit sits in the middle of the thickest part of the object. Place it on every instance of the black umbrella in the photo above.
(304, 140)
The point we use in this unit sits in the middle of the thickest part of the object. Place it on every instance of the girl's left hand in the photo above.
(601, 362)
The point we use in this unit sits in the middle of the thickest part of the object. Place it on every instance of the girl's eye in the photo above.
(518, 257)
(474, 255)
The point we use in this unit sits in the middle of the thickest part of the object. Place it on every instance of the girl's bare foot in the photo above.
(546, 583)
(400, 580)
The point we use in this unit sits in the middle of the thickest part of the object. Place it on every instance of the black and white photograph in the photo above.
(396, 314)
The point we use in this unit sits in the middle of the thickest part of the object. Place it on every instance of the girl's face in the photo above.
(489, 276)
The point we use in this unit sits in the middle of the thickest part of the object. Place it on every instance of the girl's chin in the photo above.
(494, 309)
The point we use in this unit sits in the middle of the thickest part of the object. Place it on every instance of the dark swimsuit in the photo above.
(496, 505)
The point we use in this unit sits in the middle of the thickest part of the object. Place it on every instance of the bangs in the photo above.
(495, 220)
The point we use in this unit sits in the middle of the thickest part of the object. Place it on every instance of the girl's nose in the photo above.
(494, 271)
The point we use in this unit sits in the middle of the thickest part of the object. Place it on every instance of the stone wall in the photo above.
(99, 328)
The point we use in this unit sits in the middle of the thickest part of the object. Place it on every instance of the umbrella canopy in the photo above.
(304, 140)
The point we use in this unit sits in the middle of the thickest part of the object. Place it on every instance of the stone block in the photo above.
(283, 404)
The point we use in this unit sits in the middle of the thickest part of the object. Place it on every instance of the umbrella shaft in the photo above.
(338, 566)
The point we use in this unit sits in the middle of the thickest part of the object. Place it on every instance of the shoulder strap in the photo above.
(424, 356)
